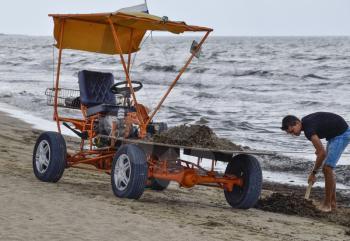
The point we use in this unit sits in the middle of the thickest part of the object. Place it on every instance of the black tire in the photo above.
(248, 168)
(158, 184)
(137, 173)
(49, 157)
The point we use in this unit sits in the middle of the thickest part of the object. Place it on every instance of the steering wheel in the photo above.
(123, 89)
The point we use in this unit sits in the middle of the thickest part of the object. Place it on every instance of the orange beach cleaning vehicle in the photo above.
(114, 133)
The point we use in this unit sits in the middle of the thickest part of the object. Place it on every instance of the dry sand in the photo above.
(81, 206)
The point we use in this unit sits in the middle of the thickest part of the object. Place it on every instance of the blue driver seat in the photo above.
(95, 92)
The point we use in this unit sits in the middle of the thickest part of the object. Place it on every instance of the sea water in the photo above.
(241, 87)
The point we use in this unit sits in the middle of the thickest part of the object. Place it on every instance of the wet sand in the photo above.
(81, 206)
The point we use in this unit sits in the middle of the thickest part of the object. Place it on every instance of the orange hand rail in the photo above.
(58, 77)
(119, 48)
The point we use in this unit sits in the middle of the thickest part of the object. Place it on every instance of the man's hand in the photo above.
(312, 178)
(320, 156)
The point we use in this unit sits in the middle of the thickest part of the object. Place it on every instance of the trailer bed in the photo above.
(173, 151)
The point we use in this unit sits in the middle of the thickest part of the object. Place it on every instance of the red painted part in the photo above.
(189, 174)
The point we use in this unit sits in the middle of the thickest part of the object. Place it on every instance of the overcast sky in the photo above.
(227, 17)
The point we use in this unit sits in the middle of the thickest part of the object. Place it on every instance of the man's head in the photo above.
(291, 125)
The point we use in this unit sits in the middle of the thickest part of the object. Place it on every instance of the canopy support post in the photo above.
(119, 49)
(177, 78)
(55, 117)
(130, 46)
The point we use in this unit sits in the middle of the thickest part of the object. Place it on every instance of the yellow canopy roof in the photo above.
(92, 32)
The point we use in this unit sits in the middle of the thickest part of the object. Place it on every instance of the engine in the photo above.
(109, 127)
(123, 124)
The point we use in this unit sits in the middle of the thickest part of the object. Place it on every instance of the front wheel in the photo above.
(129, 172)
(49, 157)
(248, 168)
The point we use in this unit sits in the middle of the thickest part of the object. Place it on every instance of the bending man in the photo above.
(317, 126)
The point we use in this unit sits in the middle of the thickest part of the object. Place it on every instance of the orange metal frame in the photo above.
(187, 174)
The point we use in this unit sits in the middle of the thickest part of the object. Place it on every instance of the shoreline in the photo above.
(82, 206)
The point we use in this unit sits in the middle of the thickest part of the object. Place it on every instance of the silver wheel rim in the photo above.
(122, 172)
(43, 156)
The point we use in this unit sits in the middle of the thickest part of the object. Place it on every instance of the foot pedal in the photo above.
(83, 135)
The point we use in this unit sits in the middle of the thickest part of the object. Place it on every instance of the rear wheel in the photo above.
(49, 157)
(248, 168)
(129, 172)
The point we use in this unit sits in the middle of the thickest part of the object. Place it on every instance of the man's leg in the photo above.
(345, 142)
(329, 188)
(334, 198)
(335, 148)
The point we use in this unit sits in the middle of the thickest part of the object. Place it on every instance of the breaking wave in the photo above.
(314, 76)
(261, 73)
(163, 68)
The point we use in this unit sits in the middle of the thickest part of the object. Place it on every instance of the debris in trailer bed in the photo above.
(195, 136)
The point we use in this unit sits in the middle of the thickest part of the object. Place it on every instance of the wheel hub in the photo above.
(122, 172)
(43, 156)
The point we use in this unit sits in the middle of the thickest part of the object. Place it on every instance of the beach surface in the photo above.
(81, 206)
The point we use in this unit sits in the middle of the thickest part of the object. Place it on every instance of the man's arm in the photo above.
(320, 152)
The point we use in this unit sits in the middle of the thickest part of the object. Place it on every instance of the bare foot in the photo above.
(325, 209)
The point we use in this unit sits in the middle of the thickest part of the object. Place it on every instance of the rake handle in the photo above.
(308, 190)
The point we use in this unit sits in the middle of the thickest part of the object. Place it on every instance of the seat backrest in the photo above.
(94, 88)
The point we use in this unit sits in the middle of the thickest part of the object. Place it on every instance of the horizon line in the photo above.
(195, 35)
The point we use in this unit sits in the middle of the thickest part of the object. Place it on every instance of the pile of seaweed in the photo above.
(288, 204)
(293, 204)
(195, 136)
